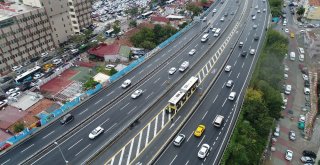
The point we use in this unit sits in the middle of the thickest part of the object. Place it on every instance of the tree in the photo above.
(116, 26)
(101, 38)
(78, 38)
(300, 10)
(133, 11)
(91, 83)
(112, 71)
(133, 23)
(194, 9)
(18, 127)
(184, 24)
(204, 1)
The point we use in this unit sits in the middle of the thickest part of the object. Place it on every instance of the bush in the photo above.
(18, 127)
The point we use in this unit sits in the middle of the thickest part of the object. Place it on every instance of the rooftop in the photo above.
(12, 9)
(104, 49)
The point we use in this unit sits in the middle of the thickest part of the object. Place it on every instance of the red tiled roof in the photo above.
(159, 19)
(104, 49)
(9, 116)
(314, 2)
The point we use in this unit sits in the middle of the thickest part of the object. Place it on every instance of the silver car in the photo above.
(136, 93)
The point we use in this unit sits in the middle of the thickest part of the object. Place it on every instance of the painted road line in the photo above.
(83, 111)
(224, 102)
(48, 134)
(173, 159)
(147, 138)
(132, 110)
(156, 80)
(189, 136)
(27, 148)
(201, 140)
(163, 83)
(215, 99)
(113, 91)
(155, 127)
(242, 65)
(139, 143)
(6, 162)
(238, 75)
(204, 115)
(130, 151)
(121, 156)
(74, 144)
(110, 127)
(98, 102)
(162, 123)
(149, 95)
(83, 149)
(124, 106)
(104, 121)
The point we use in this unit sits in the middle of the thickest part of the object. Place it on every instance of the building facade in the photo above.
(25, 32)
(80, 14)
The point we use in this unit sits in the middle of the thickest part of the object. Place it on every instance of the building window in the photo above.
(57, 35)
(72, 10)
(73, 16)
(74, 22)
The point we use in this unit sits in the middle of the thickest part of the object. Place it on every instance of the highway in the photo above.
(130, 146)
(112, 107)
(216, 102)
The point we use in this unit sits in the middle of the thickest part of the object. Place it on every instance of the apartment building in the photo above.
(80, 14)
(25, 32)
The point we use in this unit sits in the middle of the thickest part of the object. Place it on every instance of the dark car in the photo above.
(256, 37)
(309, 153)
(244, 53)
(306, 83)
(66, 119)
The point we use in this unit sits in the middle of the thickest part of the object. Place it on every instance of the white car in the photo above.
(286, 30)
(204, 150)
(254, 26)
(14, 95)
(136, 93)
(302, 118)
(35, 83)
(214, 10)
(179, 139)
(227, 68)
(3, 103)
(109, 66)
(286, 76)
(96, 132)
(172, 70)
(214, 30)
(232, 96)
(306, 91)
(305, 77)
(286, 68)
(45, 54)
(252, 51)
(15, 68)
(192, 52)
(292, 135)
(256, 7)
(229, 83)
(38, 75)
(126, 83)
(264, 10)
(289, 155)
(57, 61)
(12, 90)
(254, 17)
(258, 11)
(277, 131)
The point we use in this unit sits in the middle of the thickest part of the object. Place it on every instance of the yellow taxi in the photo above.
(199, 131)
(292, 35)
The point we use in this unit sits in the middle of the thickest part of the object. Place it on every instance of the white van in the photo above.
(205, 37)
(301, 50)
(232, 96)
(217, 32)
(288, 89)
(301, 57)
(292, 56)
(184, 66)
(218, 121)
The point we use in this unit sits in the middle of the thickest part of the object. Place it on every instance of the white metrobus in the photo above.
(182, 95)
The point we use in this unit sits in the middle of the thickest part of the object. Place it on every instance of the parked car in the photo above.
(12, 90)
(277, 131)
(310, 154)
(292, 135)
(289, 155)
(96, 132)
(3, 103)
(14, 96)
(38, 75)
(307, 159)
(57, 61)
(15, 68)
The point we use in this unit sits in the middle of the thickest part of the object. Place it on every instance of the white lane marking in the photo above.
(197, 44)
(124, 106)
(187, 162)
(174, 122)
(74, 144)
(173, 159)
(180, 60)
(223, 84)
(147, 138)
(190, 136)
(140, 72)
(163, 55)
(149, 65)
(27, 148)
(155, 127)
(83, 111)
(110, 127)
(162, 124)
(130, 151)
(48, 135)
(224, 102)
(169, 50)
(229, 73)
(98, 102)
(204, 115)
(175, 45)
(213, 143)
(83, 149)
(242, 65)
(139, 143)
(149, 95)
(215, 99)
(112, 161)
(121, 156)
(132, 110)
(156, 80)
(201, 140)
(132, 77)
(235, 62)
(110, 93)
(104, 122)
(163, 83)
(238, 75)
(6, 162)
(156, 60)
(207, 69)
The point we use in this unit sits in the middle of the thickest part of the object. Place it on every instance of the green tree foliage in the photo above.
(133, 23)
(194, 9)
(204, 1)
(116, 26)
(133, 11)
(184, 24)
(149, 38)
(112, 71)
(18, 127)
(300, 10)
(262, 104)
(91, 83)
(276, 6)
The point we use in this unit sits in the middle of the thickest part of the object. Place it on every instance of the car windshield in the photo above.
(201, 152)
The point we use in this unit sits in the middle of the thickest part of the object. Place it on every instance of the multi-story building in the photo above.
(80, 14)
(25, 32)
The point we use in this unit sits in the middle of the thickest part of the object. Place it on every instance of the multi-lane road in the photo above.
(115, 110)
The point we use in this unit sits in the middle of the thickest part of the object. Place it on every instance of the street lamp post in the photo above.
(65, 160)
